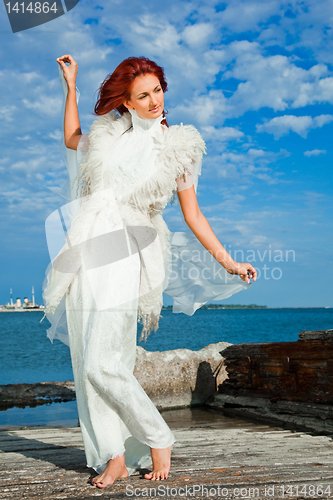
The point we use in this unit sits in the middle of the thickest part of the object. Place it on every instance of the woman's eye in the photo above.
(157, 90)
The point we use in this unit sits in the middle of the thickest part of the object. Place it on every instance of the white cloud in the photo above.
(30, 77)
(45, 104)
(7, 112)
(321, 120)
(222, 134)
(231, 203)
(243, 169)
(301, 125)
(315, 152)
(83, 39)
(25, 138)
(197, 35)
(57, 134)
(154, 35)
(275, 81)
(208, 109)
(243, 15)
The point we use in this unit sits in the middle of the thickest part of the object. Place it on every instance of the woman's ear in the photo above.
(128, 105)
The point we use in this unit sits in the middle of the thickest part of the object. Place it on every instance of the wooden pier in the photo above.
(215, 456)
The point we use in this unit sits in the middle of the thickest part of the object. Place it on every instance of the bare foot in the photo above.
(115, 469)
(161, 463)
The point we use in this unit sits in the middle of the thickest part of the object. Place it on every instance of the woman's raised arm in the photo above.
(200, 227)
(72, 128)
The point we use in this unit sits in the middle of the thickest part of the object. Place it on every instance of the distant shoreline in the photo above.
(206, 306)
(251, 306)
(225, 306)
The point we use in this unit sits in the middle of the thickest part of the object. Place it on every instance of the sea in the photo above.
(28, 356)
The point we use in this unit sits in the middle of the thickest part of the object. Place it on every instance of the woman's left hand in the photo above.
(246, 271)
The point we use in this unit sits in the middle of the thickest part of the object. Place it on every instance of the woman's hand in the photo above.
(245, 270)
(70, 71)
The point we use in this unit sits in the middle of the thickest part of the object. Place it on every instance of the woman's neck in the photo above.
(145, 123)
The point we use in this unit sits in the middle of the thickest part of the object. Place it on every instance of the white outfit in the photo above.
(116, 415)
(111, 268)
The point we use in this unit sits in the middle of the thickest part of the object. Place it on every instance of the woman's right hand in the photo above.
(245, 270)
(70, 71)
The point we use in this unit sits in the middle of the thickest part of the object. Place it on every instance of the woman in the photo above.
(115, 263)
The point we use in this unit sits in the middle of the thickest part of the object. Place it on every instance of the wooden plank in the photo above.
(212, 450)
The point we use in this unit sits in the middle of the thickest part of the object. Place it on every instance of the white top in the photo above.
(136, 147)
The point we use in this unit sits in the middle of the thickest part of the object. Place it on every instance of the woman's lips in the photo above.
(155, 109)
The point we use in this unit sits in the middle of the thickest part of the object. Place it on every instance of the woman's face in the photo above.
(147, 97)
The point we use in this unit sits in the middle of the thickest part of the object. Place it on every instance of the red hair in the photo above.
(117, 87)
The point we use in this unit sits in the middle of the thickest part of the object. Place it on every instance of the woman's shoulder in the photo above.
(182, 128)
(185, 136)
(110, 124)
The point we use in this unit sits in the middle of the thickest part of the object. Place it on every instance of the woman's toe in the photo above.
(156, 475)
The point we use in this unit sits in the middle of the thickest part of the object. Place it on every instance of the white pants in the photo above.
(116, 415)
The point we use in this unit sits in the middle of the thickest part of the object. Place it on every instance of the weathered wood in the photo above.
(305, 416)
(212, 451)
(295, 371)
(317, 334)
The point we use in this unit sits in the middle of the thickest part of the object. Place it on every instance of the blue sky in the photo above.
(256, 79)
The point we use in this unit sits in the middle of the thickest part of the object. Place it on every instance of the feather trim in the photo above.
(150, 321)
(179, 147)
(183, 144)
(104, 131)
